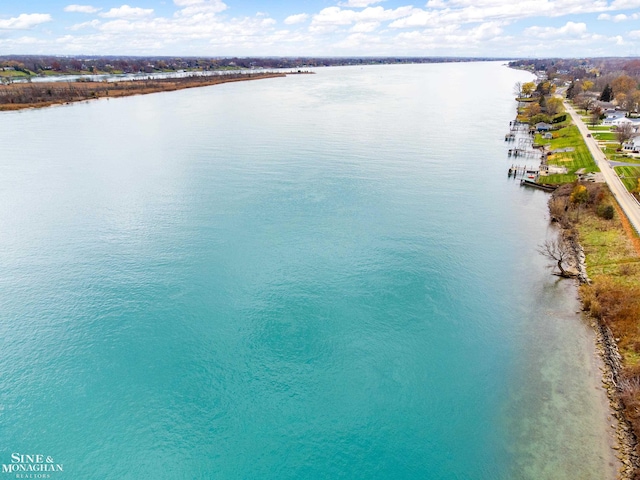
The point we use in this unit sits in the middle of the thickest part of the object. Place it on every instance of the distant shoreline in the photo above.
(21, 96)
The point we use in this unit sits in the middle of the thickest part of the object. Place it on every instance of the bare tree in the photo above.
(585, 102)
(595, 115)
(624, 132)
(559, 251)
(517, 89)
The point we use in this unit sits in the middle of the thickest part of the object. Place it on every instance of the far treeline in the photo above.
(30, 65)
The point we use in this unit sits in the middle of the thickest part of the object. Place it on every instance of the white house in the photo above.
(616, 122)
(632, 145)
(613, 117)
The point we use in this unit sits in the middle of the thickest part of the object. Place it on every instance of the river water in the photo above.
(318, 276)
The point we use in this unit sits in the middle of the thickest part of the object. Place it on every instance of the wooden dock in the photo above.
(522, 170)
(523, 152)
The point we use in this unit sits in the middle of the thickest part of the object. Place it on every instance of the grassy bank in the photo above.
(612, 257)
(613, 298)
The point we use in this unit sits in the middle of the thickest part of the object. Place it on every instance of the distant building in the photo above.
(543, 127)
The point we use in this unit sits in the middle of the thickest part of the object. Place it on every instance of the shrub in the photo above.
(605, 211)
(579, 194)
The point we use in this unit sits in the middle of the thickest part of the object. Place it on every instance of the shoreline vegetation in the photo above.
(596, 243)
(20, 96)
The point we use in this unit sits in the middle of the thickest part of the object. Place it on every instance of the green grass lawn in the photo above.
(559, 179)
(608, 136)
(579, 158)
(602, 128)
(629, 176)
(612, 153)
(13, 74)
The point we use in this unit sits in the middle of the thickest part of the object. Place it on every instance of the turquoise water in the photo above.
(320, 276)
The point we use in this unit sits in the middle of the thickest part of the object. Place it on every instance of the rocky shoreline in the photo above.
(607, 348)
(626, 441)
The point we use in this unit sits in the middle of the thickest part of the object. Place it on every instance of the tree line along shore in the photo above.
(595, 236)
(21, 66)
(18, 96)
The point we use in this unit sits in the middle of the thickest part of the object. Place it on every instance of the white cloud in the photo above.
(24, 21)
(293, 19)
(81, 9)
(336, 16)
(125, 11)
(322, 29)
(193, 8)
(359, 3)
(477, 11)
(621, 17)
(624, 4)
(201, 3)
(365, 27)
(359, 41)
(345, 27)
(187, 3)
(83, 25)
(453, 38)
(487, 31)
(570, 29)
(119, 27)
(204, 29)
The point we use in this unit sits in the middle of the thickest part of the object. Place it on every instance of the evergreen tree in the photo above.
(607, 94)
(542, 102)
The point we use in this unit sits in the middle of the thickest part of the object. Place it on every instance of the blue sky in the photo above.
(565, 28)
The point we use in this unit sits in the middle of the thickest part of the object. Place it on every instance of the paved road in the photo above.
(629, 204)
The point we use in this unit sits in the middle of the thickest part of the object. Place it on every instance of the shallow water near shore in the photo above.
(319, 276)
